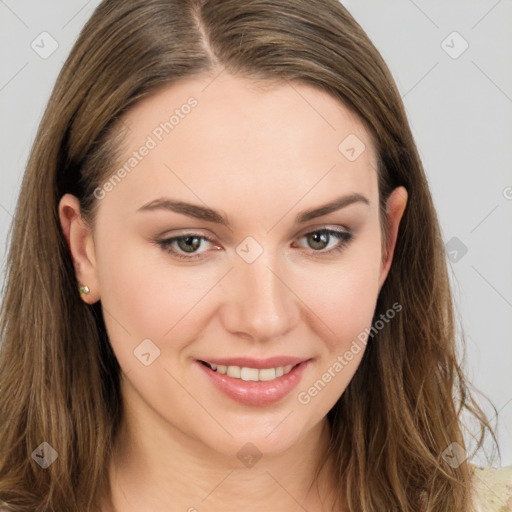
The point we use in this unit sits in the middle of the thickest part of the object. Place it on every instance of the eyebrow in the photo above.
(210, 215)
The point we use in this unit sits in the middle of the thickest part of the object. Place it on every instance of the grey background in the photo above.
(460, 110)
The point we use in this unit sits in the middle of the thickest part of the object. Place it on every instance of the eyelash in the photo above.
(344, 238)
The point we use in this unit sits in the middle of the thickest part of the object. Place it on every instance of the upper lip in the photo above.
(250, 362)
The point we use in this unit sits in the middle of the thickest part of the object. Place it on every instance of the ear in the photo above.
(395, 207)
(80, 241)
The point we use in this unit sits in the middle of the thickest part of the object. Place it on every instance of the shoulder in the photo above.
(492, 489)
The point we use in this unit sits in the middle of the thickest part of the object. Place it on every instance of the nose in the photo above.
(260, 303)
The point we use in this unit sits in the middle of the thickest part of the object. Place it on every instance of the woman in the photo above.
(227, 286)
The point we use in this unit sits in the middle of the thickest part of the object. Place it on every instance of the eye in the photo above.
(321, 239)
(187, 245)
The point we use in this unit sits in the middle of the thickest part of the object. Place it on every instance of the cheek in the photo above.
(145, 297)
(345, 301)
(343, 296)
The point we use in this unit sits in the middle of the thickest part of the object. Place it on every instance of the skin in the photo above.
(259, 156)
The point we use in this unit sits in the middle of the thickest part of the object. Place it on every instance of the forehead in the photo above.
(226, 135)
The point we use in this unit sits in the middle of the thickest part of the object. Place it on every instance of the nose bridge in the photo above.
(262, 306)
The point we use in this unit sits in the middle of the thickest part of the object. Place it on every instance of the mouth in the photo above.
(254, 382)
(247, 373)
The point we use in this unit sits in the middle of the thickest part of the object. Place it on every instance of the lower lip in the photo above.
(256, 392)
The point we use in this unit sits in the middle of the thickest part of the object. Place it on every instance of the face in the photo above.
(243, 235)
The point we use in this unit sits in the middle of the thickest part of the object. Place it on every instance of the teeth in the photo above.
(267, 374)
(248, 373)
(233, 371)
(252, 374)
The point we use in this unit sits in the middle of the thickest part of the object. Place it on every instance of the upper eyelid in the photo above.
(325, 227)
(313, 229)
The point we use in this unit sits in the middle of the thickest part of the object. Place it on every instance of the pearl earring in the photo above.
(83, 289)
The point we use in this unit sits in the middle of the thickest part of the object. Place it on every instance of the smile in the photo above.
(254, 382)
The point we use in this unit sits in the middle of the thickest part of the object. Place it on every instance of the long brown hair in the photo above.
(59, 379)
